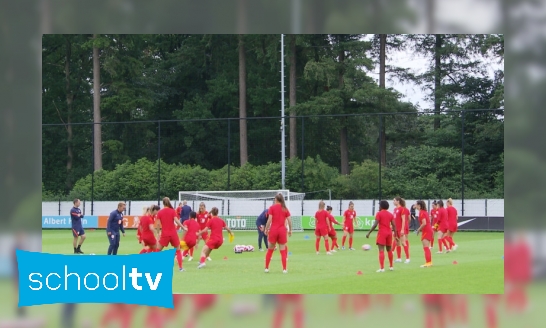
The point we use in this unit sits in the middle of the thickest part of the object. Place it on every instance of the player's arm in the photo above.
(121, 227)
(177, 221)
(228, 230)
(373, 228)
(393, 225)
(289, 220)
(403, 224)
(423, 224)
(109, 223)
(268, 223)
(328, 222)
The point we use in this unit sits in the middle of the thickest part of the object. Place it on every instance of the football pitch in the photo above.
(477, 267)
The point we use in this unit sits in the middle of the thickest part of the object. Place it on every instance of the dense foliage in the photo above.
(195, 80)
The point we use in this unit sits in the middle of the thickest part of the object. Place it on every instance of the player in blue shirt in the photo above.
(260, 224)
(76, 217)
(113, 226)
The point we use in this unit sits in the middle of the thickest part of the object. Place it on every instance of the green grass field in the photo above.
(479, 268)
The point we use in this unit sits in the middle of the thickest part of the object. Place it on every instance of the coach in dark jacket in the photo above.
(260, 224)
(113, 226)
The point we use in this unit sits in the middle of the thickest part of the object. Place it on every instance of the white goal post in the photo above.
(240, 209)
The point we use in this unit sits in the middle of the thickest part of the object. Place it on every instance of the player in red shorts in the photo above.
(284, 302)
(169, 234)
(348, 226)
(146, 230)
(322, 226)
(202, 218)
(442, 226)
(216, 225)
(332, 233)
(426, 229)
(276, 231)
(452, 219)
(401, 218)
(189, 238)
(385, 220)
(434, 222)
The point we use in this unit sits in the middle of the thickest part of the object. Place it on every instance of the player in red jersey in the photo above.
(202, 218)
(452, 219)
(434, 310)
(322, 227)
(189, 238)
(442, 227)
(348, 226)
(276, 231)
(332, 233)
(426, 229)
(401, 217)
(434, 221)
(286, 302)
(385, 220)
(169, 234)
(216, 225)
(146, 230)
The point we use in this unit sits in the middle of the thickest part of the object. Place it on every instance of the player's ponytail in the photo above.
(154, 208)
(422, 206)
(450, 202)
(321, 205)
(146, 210)
(214, 211)
(280, 199)
(402, 202)
(167, 202)
(440, 203)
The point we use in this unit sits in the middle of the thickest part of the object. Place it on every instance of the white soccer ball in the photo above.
(92, 254)
(366, 247)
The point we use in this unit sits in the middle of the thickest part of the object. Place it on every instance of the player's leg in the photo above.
(428, 255)
(174, 240)
(399, 247)
(205, 251)
(81, 233)
(273, 235)
(345, 233)
(260, 237)
(111, 243)
(116, 245)
(317, 240)
(326, 243)
(381, 258)
(284, 251)
(406, 247)
(440, 242)
(75, 241)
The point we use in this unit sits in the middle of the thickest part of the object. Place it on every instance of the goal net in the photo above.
(240, 209)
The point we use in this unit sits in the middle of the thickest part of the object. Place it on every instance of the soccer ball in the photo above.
(366, 247)
(92, 254)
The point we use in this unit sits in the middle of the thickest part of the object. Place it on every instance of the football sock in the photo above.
(327, 245)
(298, 318)
(350, 242)
(268, 256)
(440, 244)
(391, 257)
(283, 258)
(428, 255)
(144, 250)
(317, 244)
(398, 252)
(382, 259)
(343, 241)
(406, 249)
(179, 258)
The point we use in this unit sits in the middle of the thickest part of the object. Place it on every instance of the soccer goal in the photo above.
(241, 208)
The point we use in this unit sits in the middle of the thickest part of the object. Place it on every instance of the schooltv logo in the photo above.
(143, 279)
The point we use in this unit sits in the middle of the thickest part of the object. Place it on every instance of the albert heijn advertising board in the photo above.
(64, 222)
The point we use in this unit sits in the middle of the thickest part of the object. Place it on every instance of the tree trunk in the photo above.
(69, 103)
(293, 142)
(431, 6)
(242, 16)
(242, 103)
(343, 132)
(97, 142)
(382, 60)
(437, 81)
